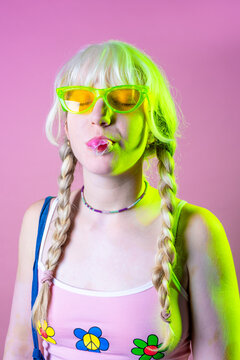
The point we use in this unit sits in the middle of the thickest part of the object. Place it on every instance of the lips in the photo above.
(99, 143)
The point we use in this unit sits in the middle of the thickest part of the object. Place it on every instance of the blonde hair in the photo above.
(113, 63)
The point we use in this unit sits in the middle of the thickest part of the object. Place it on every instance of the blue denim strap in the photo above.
(37, 355)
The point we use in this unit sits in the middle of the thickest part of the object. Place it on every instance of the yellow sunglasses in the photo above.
(121, 99)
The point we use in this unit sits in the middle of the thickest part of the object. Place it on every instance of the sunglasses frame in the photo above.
(102, 93)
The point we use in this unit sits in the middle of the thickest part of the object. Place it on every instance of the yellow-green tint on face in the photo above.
(79, 100)
(132, 147)
(123, 99)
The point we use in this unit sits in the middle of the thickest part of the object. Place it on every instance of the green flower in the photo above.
(148, 350)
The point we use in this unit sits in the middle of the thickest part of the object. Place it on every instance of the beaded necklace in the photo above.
(113, 211)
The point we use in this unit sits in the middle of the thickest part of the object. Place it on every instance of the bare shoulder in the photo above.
(35, 208)
(213, 285)
(28, 234)
(202, 229)
(31, 216)
(208, 249)
(19, 335)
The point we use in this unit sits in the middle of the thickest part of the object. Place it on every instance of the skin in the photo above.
(205, 250)
(204, 267)
(117, 176)
(213, 287)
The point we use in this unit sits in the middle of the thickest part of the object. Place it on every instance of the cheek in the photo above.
(76, 128)
(136, 130)
(77, 139)
(75, 133)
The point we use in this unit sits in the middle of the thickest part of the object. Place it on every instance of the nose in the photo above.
(101, 113)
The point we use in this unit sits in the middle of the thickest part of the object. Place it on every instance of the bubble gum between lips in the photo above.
(108, 148)
(98, 142)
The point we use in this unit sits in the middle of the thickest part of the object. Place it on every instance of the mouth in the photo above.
(98, 141)
(101, 146)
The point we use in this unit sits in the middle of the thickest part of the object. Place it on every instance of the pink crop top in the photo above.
(87, 324)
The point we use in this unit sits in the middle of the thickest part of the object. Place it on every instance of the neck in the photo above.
(141, 214)
(113, 194)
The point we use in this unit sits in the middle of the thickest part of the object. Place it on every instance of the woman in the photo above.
(125, 270)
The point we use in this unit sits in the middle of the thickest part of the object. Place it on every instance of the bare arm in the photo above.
(19, 343)
(214, 295)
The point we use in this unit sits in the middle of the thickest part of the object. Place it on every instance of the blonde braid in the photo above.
(166, 256)
(62, 224)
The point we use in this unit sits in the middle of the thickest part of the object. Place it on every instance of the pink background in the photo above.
(197, 44)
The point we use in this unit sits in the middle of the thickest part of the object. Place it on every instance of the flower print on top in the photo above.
(46, 332)
(107, 310)
(148, 350)
(91, 340)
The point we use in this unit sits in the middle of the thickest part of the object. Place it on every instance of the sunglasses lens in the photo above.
(123, 99)
(78, 100)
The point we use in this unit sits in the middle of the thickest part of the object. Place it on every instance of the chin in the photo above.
(95, 167)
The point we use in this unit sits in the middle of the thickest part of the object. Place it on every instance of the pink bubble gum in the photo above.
(104, 148)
